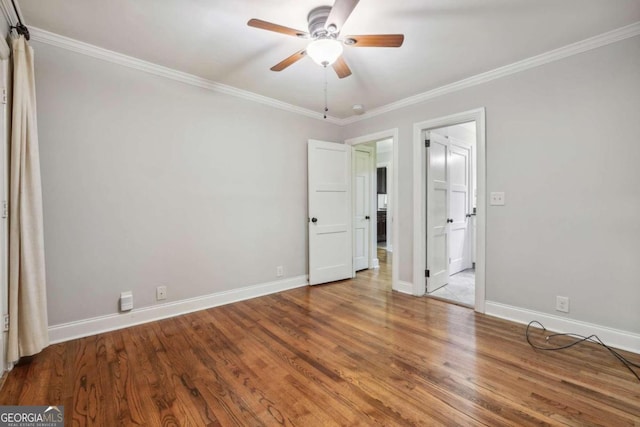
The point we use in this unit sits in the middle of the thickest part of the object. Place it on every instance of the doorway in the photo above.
(384, 193)
(383, 206)
(444, 199)
(451, 207)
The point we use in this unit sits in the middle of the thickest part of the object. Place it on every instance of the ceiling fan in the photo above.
(325, 23)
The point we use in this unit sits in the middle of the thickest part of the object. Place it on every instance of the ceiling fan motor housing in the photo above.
(317, 19)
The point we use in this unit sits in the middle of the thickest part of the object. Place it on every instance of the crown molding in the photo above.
(591, 43)
(516, 67)
(43, 36)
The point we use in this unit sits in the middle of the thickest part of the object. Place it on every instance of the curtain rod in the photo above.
(20, 28)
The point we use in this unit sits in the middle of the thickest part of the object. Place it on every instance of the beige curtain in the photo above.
(28, 329)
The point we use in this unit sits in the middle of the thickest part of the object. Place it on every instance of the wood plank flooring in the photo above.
(348, 353)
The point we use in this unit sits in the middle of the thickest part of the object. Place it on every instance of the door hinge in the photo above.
(426, 273)
(5, 209)
(4, 96)
(427, 143)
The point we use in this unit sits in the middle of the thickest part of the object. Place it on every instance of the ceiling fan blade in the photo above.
(375, 40)
(339, 14)
(269, 26)
(341, 68)
(290, 60)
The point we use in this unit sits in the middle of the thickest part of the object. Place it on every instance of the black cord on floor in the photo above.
(580, 339)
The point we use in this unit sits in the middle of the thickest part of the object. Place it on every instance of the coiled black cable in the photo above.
(580, 339)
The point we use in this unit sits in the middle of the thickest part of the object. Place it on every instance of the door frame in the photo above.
(374, 137)
(419, 199)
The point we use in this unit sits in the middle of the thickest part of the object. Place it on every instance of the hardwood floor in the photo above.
(348, 353)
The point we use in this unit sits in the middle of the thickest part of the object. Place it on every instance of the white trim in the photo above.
(585, 45)
(8, 12)
(419, 202)
(67, 43)
(613, 337)
(404, 287)
(111, 322)
(376, 263)
(378, 136)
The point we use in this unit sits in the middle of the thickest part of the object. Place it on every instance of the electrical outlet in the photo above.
(161, 293)
(496, 198)
(279, 271)
(6, 323)
(562, 304)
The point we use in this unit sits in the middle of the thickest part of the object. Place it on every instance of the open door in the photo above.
(363, 211)
(437, 274)
(330, 228)
(459, 206)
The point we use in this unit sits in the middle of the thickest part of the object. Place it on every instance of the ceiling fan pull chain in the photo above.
(326, 84)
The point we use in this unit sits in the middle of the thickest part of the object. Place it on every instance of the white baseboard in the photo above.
(376, 263)
(404, 287)
(111, 322)
(613, 337)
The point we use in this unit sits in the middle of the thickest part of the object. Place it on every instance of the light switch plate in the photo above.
(496, 198)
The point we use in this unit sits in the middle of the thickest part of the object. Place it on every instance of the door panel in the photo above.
(363, 173)
(437, 214)
(330, 235)
(459, 239)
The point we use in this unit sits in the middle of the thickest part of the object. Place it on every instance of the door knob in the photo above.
(314, 220)
(367, 217)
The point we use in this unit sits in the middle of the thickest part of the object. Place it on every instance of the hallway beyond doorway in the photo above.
(460, 289)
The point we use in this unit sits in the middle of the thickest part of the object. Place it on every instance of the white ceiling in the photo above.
(445, 40)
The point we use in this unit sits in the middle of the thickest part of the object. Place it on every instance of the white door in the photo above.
(363, 171)
(437, 213)
(459, 206)
(330, 230)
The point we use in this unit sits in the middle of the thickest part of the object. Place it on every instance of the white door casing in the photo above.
(419, 197)
(437, 261)
(330, 229)
(362, 208)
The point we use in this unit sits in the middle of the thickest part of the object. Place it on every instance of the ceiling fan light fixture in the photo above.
(324, 51)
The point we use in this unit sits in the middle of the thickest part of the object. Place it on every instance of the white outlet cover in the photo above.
(562, 304)
(496, 198)
(126, 301)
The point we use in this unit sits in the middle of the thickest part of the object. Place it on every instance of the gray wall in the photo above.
(150, 182)
(562, 142)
